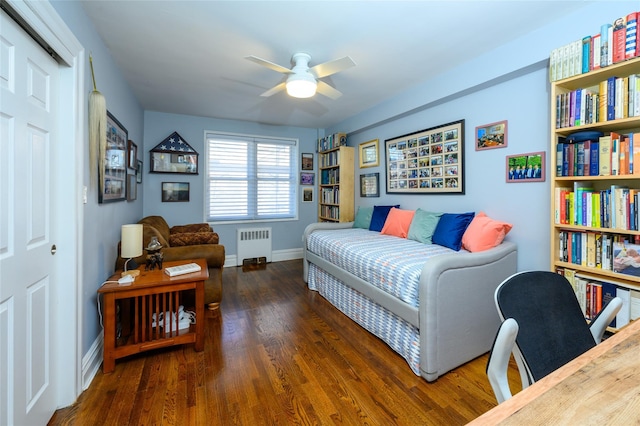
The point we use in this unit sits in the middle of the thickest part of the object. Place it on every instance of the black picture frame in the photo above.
(132, 155)
(139, 172)
(175, 192)
(370, 185)
(429, 161)
(112, 170)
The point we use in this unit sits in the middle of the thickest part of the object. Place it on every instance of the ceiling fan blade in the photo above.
(270, 65)
(332, 67)
(324, 89)
(274, 90)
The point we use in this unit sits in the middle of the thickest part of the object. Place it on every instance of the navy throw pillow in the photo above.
(379, 216)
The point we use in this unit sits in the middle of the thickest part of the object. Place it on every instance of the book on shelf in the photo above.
(634, 305)
(593, 294)
(605, 155)
(631, 35)
(611, 99)
(604, 45)
(595, 51)
(618, 40)
(626, 258)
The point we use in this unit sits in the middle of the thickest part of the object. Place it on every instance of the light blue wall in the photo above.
(510, 83)
(157, 126)
(101, 221)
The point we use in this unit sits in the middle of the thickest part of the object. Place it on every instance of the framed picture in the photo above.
(307, 195)
(132, 188)
(307, 178)
(112, 169)
(307, 161)
(132, 155)
(528, 167)
(370, 185)
(491, 136)
(175, 192)
(428, 161)
(173, 155)
(369, 154)
(139, 172)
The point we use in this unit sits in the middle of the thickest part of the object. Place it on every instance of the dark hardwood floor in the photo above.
(279, 354)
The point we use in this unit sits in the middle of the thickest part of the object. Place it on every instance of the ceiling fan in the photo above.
(303, 82)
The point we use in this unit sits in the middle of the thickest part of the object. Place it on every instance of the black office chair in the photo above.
(543, 326)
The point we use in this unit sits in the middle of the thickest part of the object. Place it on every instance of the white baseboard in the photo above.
(92, 361)
(276, 256)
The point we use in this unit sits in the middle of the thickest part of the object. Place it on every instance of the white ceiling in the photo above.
(187, 57)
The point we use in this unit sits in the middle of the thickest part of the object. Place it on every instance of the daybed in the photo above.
(431, 304)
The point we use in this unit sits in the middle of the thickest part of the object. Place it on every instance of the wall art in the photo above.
(528, 167)
(426, 162)
(490, 136)
(113, 165)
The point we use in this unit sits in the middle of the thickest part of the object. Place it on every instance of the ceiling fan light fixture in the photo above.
(301, 85)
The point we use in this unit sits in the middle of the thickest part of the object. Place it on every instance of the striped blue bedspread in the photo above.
(393, 264)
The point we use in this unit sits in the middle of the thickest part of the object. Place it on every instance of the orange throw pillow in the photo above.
(484, 233)
(398, 222)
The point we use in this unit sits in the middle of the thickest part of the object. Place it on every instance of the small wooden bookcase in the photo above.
(128, 312)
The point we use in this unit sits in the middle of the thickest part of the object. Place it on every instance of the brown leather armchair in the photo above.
(185, 242)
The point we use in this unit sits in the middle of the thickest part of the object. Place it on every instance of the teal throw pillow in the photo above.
(423, 225)
(363, 217)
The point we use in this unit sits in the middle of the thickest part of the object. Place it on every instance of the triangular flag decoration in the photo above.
(174, 143)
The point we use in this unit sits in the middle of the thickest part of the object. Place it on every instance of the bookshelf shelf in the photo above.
(591, 220)
(335, 180)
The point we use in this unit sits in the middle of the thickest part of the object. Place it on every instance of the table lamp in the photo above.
(130, 247)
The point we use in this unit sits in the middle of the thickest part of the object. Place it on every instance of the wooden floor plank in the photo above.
(279, 354)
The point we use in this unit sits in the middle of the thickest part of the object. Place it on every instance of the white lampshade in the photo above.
(301, 85)
(131, 245)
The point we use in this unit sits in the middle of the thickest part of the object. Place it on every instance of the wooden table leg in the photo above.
(199, 346)
(109, 321)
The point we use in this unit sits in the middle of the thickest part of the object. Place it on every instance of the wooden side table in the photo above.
(151, 294)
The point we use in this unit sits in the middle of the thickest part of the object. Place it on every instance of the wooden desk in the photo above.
(152, 292)
(602, 386)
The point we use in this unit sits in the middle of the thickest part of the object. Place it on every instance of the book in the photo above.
(586, 54)
(624, 314)
(602, 101)
(615, 153)
(626, 258)
(595, 47)
(631, 35)
(604, 143)
(635, 142)
(634, 305)
(611, 99)
(618, 42)
(594, 160)
(604, 45)
(624, 155)
(631, 89)
(609, 292)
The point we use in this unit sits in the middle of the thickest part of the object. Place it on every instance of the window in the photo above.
(250, 177)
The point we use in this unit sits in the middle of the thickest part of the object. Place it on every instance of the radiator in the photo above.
(253, 242)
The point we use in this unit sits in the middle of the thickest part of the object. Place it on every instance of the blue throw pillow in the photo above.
(450, 229)
(379, 216)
